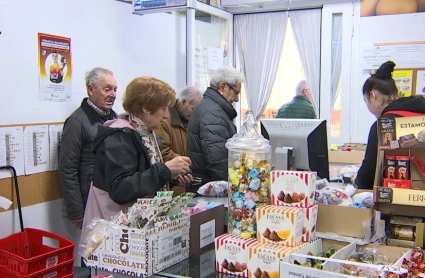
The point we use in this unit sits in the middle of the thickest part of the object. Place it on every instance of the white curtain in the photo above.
(336, 53)
(306, 25)
(259, 41)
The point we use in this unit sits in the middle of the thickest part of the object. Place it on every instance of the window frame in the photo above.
(347, 10)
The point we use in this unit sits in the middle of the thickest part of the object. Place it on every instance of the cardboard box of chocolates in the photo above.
(310, 221)
(293, 188)
(280, 225)
(264, 259)
(232, 254)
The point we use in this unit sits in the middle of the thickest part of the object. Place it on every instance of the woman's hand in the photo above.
(184, 180)
(179, 165)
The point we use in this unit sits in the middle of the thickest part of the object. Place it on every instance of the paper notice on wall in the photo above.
(55, 135)
(420, 82)
(12, 150)
(55, 68)
(403, 81)
(225, 51)
(406, 56)
(215, 58)
(36, 148)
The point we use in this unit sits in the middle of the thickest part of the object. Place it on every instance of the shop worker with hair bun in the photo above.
(382, 99)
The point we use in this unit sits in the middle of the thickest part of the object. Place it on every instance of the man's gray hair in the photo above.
(93, 76)
(227, 75)
(302, 85)
(189, 94)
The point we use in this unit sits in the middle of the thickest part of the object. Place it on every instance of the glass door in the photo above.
(209, 43)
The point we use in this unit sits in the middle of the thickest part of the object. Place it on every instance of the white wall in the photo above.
(375, 29)
(103, 33)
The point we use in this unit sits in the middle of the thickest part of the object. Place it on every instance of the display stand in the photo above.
(283, 158)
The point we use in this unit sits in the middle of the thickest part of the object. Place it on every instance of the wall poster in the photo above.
(403, 81)
(391, 7)
(55, 68)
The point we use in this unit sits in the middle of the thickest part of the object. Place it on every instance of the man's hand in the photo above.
(78, 223)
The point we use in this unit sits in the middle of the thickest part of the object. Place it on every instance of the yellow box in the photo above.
(413, 127)
(280, 225)
(264, 259)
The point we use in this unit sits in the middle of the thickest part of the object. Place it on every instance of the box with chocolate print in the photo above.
(310, 221)
(293, 188)
(231, 254)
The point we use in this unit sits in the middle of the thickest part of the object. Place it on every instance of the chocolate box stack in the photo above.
(297, 189)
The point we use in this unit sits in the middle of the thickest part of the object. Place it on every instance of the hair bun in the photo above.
(385, 70)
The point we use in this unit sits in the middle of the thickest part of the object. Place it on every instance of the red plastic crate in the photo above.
(24, 253)
(63, 270)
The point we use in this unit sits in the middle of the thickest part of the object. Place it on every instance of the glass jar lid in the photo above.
(248, 138)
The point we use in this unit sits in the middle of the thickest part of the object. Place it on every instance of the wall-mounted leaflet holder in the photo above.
(283, 158)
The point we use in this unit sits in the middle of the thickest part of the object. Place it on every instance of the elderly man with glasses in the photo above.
(211, 125)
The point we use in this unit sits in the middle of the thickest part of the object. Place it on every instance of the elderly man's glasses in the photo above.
(233, 89)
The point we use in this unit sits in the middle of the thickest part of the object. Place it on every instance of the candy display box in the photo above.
(280, 225)
(264, 259)
(142, 253)
(232, 254)
(342, 258)
(397, 195)
(293, 188)
(401, 132)
(288, 268)
(310, 222)
(379, 253)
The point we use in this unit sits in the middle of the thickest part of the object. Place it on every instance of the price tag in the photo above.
(207, 233)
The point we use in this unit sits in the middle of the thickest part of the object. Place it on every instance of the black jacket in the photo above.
(122, 166)
(76, 158)
(366, 174)
(209, 128)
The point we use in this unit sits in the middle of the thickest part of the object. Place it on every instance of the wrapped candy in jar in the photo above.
(249, 177)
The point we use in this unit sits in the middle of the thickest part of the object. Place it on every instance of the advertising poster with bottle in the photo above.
(55, 68)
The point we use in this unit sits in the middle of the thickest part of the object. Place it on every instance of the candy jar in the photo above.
(249, 177)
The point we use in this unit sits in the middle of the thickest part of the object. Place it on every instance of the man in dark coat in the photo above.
(75, 154)
(211, 125)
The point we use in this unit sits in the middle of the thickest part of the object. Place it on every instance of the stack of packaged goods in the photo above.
(279, 230)
(295, 190)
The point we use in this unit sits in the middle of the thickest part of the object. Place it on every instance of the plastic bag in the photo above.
(100, 230)
(365, 199)
(333, 196)
(214, 189)
(320, 184)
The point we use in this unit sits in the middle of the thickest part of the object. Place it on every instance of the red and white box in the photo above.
(293, 188)
(232, 254)
(310, 221)
(392, 183)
